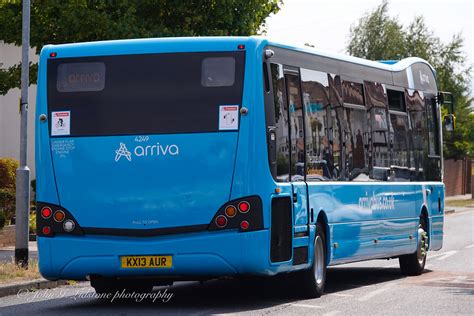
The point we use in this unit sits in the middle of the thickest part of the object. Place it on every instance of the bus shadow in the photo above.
(237, 295)
(345, 278)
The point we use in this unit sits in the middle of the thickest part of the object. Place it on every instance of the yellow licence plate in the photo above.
(146, 261)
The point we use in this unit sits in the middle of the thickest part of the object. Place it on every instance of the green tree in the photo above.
(8, 168)
(55, 22)
(378, 36)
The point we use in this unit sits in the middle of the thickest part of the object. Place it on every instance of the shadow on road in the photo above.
(345, 278)
(223, 296)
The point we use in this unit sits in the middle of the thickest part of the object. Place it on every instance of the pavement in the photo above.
(459, 197)
(370, 287)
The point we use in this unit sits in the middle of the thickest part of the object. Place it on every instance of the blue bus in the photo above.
(171, 159)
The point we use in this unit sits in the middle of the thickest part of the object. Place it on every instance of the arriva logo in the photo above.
(145, 151)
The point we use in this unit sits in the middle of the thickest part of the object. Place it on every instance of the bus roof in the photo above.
(211, 42)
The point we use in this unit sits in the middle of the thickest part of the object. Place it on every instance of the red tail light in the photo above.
(244, 207)
(46, 212)
(46, 230)
(221, 221)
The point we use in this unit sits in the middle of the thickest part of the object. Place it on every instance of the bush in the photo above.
(2, 219)
(7, 202)
(33, 223)
(8, 168)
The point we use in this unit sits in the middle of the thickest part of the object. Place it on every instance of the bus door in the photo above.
(297, 154)
(434, 194)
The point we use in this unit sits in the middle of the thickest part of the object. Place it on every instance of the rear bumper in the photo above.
(194, 255)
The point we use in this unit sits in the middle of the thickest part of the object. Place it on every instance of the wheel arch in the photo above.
(425, 216)
(323, 219)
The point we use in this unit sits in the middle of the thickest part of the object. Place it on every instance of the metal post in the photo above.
(23, 172)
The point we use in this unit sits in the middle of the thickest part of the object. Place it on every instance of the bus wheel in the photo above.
(314, 278)
(414, 264)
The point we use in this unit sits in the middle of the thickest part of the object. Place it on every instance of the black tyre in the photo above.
(414, 264)
(313, 280)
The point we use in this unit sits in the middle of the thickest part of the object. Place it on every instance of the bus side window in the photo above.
(295, 109)
(431, 116)
(281, 123)
(319, 162)
(433, 170)
(376, 101)
(334, 123)
(418, 137)
(356, 144)
(400, 166)
(355, 131)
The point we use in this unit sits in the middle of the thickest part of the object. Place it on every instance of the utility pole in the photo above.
(23, 172)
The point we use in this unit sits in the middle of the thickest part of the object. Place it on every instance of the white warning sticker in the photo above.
(228, 117)
(61, 123)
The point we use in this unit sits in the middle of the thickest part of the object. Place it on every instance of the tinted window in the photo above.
(315, 88)
(431, 116)
(356, 144)
(76, 77)
(151, 93)
(380, 143)
(396, 100)
(281, 123)
(218, 72)
(335, 119)
(375, 94)
(400, 155)
(353, 93)
(295, 108)
(419, 139)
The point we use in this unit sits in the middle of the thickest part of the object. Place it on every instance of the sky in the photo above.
(326, 23)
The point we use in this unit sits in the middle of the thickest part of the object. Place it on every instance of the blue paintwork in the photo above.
(388, 62)
(153, 191)
(211, 169)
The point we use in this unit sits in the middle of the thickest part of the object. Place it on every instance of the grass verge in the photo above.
(460, 203)
(11, 272)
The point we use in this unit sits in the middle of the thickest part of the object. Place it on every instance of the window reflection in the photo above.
(342, 130)
(319, 160)
(281, 123)
(295, 108)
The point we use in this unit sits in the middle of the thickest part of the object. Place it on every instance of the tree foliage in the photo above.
(378, 36)
(56, 22)
(8, 168)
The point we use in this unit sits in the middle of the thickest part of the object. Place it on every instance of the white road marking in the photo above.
(431, 256)
(306, 305)
(447, 254)
(341, 295)
(460, 279)
(470, 246)
(376, 292)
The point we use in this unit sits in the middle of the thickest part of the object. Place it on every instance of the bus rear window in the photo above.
(145, 94)
(218, 72)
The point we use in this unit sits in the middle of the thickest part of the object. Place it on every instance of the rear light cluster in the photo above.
(243, 214)
(53, 219)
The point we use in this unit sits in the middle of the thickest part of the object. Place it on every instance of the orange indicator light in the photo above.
(59, 216)
(230, 211)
